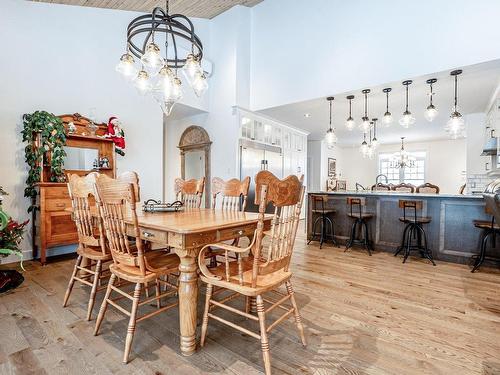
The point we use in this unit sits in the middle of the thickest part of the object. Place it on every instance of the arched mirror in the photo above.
(195, 156)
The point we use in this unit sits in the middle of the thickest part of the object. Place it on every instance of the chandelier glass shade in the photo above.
(387, 119)
(407, 119)
(455, 127)
(374, 140)
(364, 126)
(157, 71)
(349, 123)
(431, 112)
(364, 147)
(330, 136)
(402, 159)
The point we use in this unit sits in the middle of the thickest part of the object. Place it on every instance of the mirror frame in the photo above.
(195, 138)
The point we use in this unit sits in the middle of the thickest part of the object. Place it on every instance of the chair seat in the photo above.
(159, 263)
(93, 253)
(328, 211)
(264, 282)
(357, 215)
(485, 224)
(420, 220)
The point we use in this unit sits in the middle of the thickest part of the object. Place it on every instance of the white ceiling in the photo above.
(476, 86)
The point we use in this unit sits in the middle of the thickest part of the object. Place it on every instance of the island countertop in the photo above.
(451, 232)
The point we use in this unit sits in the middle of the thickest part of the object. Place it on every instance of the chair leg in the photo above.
(332, 230)
(298, 320)
(482, 252)
(366, 241)
(131, 322)
(352, 236)
(313, 230)
(158, 292)
(72, 280)
(264, 342)
(204, 325)
(427, 251)
(104, 304)
(322, 232)
(400, 248)
(97, 277)
(408, 243)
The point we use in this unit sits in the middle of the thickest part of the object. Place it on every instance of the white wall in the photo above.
(61, 59)
(305, 50)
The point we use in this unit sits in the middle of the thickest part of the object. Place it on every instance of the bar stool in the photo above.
(414, 229)
(360, 219)
(490, 229)
(318, 207)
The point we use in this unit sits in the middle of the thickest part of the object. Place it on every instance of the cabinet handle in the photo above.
(486, 166)
(147, 234)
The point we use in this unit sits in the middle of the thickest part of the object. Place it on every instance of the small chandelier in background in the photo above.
(408, 119)
(456, 125)
(371, 148)
(349, 123)
(159, 75)
(374, 140)
(431, 112)
(364, 147)
(387, 120)
(365, 124)
(402, 159)
(330, 137)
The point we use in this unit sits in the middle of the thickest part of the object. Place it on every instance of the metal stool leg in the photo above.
(332, 231)
(403, 241)
(322, 231)
(313, 230)
(366, 241)
(482, 253)
(408, 243)
(427, 252)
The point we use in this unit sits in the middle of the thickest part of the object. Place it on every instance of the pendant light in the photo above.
(364, 147)
(371, 150)
(374, 139)
(456, 125)
(431, 112)
(365, 124)
(330, 137)
(387, 120)
(408, 119)
(350, 124)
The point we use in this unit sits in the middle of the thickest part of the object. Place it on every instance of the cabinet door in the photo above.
(247, 130)
(59, 228)
(258, 131)
(287, 141)
(277, 141)
(268, 134)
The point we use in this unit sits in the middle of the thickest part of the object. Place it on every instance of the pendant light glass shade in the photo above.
(455, 127)
(364, 147)
(407, 119)
(350, 124)
(431, 112)
(126, 66)
(142, 83)
(387, 119)
(199, 84)
(374, 142)
(152, 59)
(169, 93)
(191, 68)
(330, 136)
(364, 126)
(402, 159)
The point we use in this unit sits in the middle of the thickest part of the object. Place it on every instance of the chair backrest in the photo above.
(411, 205)
(381, 187)
(231, 193)
(461, 189)
(116, 200)
(360, 202)
(407, 188)
(89, 228)
(132, 178)
(319, 201)
(492, 205)
(286, 196)
(189, 192)
(428, 188)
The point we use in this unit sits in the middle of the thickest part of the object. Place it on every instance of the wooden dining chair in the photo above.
(116, 200)
(381, 187)
(189, 192)
(265, 269)
(92, 250)
(428, 188)
(404, 187)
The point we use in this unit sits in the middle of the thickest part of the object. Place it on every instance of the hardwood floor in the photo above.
(363, 315)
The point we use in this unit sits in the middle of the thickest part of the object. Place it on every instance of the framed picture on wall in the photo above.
(332, 167)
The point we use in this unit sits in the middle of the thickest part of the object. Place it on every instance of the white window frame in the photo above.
(418, 154)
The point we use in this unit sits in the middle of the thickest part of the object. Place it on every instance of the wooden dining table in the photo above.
(187, 232)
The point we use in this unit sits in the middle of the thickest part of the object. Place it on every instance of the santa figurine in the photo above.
(116, 133)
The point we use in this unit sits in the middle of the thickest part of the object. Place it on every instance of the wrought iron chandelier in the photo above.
(402, 159)
(158, 75)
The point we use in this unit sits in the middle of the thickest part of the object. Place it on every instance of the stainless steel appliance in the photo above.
(255, 157)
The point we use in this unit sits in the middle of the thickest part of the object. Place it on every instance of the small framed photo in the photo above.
(332, 167)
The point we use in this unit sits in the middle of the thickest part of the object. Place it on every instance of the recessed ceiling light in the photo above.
(307, 115)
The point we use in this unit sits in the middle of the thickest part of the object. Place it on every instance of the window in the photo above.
(414, 175)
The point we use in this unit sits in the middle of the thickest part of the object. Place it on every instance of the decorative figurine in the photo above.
(116, 133)
(71, 128)
(104, 162)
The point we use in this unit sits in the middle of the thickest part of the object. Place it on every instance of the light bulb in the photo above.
(430, 113)
(350, 124)
(387, 119)
(165, 81)
(142, 83)
(456, 125)
(151, 58)
(126, 66)
(191, 67)
(330, 137)
(365, 125)
(407, 120)
(199, 84)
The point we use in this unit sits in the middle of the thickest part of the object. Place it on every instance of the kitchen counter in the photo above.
(451, 233)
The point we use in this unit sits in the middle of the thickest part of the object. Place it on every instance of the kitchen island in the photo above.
(451, 233)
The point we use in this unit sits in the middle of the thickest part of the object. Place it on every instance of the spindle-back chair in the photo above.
(189, 192)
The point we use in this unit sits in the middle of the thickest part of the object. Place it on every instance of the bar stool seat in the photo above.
(326, 211)
(485, 224)
(417, 220)
(357, 215)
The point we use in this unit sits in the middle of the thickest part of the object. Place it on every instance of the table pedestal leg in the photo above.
(188, 296)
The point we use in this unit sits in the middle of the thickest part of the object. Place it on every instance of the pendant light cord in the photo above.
(366, 101)
(350, 106)
(330, 115)
(456, 82)
(406, 98)
(387, 101)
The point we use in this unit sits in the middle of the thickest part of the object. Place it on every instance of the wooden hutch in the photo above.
(53, 225)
